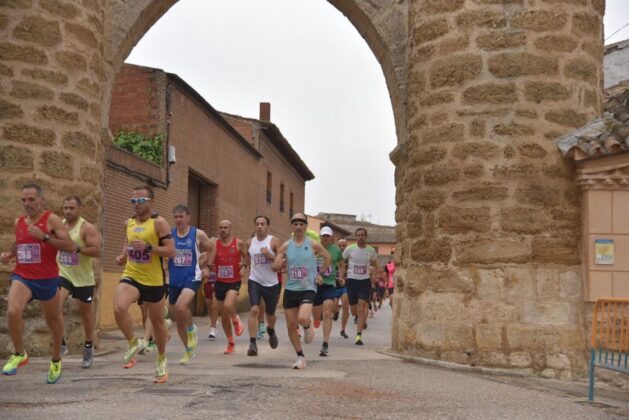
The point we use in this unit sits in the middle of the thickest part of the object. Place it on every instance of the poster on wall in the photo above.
(604, 251)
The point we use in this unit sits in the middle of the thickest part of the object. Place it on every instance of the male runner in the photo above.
(184, 273)
(229, 266)
(210, 300)
(77, 274)
(340, 295)
(148, 240)
(38, 235)
(324, 302)
(263, 282)
(301, 286)
(359, 256)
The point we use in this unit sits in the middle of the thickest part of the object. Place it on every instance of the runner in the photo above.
(148, 240)
(324, 302)
(209, 277)
(340, 295)
(39, 233)
(263, 282)
(77, 274)
(230, 252)
(301, 287)
(389, 268)
(359, 256)
(184, 273)
(381, 284)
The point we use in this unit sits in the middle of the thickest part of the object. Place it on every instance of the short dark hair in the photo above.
(181, 208)
(359, 229)
(75, 198)
(35, 186)
(145, 188)
(268, 221)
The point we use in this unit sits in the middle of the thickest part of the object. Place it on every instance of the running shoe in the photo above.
(238, 327)
(141, 347)
(161, 375)
(187, 357)
(261, 331)
(344, 334)
(192, 338)
(132, 350)
(273, 341)
(359, 340)
(88, 357)
(253, 349)
(14, 362)
(309, 335)
(54, 372)
(231, 347)
(150, 346)
(212, 335)
(131, 363)
(335, 316)
(317, 323)
(300, 363)
(324, 351)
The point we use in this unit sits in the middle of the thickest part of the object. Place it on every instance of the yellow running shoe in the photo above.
(132, 350)
(192, 337)
(54, 372)
(161, 375)
(14, 362)
(187, 357)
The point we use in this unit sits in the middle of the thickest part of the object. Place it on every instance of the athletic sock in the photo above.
(270, 330)
(18, 354)
(325, 344)
(55, 361)
(252, 340)
(300, 353)
(161, 357)
(190, 329)
(133, 341)
(88, 344)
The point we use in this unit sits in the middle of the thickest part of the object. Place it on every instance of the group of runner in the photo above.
(55, 254)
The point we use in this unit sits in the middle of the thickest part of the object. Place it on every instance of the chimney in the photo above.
(265, 111)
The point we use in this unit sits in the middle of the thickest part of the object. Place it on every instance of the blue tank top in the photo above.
(184, 268)
(302, 266)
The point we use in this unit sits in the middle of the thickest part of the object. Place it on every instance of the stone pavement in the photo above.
(352, 382)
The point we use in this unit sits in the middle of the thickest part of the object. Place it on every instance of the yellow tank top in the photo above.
(143, 266)
(75, 267)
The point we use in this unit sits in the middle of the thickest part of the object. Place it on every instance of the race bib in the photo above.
(260, 258)
(361, 270)
(28, 254)
(327, 271)
(298, 273)
(68, 259)
(183, 258)
(225, 271)
(139, 257)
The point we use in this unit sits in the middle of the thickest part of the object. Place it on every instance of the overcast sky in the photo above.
(327, 91)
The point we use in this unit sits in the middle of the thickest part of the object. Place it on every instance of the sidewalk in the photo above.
(353, 382)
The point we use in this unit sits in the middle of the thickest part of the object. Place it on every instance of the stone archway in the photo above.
(488, 214)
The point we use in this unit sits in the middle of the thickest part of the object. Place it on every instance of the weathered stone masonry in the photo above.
(488, 214)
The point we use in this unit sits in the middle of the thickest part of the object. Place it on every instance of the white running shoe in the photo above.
(300, 363)
(212, 335)
(309, 335)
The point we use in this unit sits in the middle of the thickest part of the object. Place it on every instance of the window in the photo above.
(290, 204)
(281, 198)
(269, 184)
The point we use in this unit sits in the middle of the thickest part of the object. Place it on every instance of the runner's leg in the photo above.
(19, 296)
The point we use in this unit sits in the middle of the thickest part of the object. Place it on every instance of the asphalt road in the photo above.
(353, 382)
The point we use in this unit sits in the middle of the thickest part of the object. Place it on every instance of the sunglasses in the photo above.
(140, 200)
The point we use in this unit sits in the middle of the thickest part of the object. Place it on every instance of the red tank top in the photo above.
(227, 262)
(36, 260)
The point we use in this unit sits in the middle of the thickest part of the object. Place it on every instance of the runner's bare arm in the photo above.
(204, 245)
(60, 237)
(280, 258)
(275, 245)
(91, 237)
(245, 261)
(166, 246)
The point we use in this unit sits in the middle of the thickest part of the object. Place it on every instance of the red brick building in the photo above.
(227, 167)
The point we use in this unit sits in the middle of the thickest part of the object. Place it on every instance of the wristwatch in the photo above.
(46, 237)
(78, 249)
(148, 247)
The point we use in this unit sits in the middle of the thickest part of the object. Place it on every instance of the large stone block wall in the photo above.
(51, 69)
(488, 213)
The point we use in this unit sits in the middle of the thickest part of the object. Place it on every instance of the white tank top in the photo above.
(261, 271)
